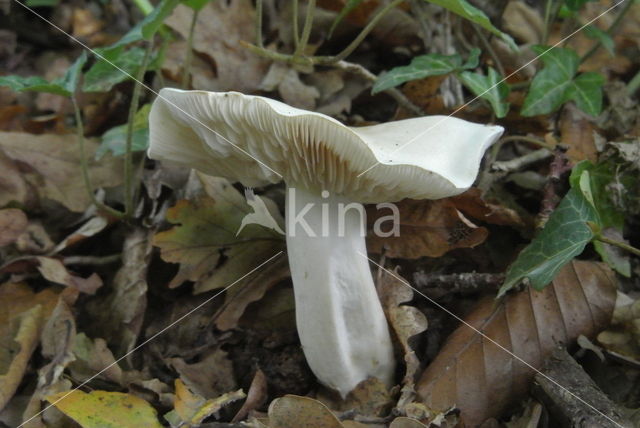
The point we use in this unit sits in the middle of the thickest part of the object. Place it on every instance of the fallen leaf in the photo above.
(404, 422)
(473, 205)
(92, 227)
(91, 358)
(55, 271)
(51, 164)
(577, 132)
(293, 411)
(479, 378)
(407, 322)
(210, 377)
(22, 316)
(426, 228)
(256, 396)
(34, 240)
(191, 409)
(12, 223)
(57, 341)
(219, 29)
(102, 409)
(13, 187)
(291, 89)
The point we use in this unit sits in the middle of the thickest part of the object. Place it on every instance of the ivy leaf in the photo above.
(114, 140)
(107, 72)
(586, 91)
(145, 29)
(425, 66)
(564, 236)
(464, 9)
(65, 85)
(490, 88)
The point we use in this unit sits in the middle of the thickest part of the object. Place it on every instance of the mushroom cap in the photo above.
(257, 140)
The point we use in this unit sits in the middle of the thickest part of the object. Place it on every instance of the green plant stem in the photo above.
(259, 42)
(144, 5)
(610, 31)
(489, 49)
(306, 30)
(294, 23)
(133, 109)
(547, 21)
(84, 165)
(634, 84)
(619, 244)
(360, 37)
(186, 68)
(538, 142)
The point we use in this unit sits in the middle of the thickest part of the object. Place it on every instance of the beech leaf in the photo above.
(481, 379)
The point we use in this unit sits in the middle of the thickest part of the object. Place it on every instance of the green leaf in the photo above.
(473, 14)
(603, 37)
(145, 29)
(106, 73)
(575, 5)
(490, 88)
(195, 4)
(564, 236)
(115, 139)
(42, 3)
(64, 86)
(550, 85)
(586, 91)
(424, 66)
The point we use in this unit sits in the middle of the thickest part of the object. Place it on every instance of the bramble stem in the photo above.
(133, 109)
(186, 69)
(619, 244)
(84, 166)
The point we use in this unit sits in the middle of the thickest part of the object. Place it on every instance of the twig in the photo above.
(437, 285)
(522, 161)
(133, 109)
(84, 166)
(610, 31)
(559, 166)
(92, 260)
(186, 69)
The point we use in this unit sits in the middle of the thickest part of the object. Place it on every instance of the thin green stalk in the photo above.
(133, 109)
(619, 244)
(547, 21)
(84, 165)
(294, 22)
(360, 37)
(634, 84)
(489, 49)
(186, 69)
(610, 31)
(144, 5)
(259, 23)
(306, 30)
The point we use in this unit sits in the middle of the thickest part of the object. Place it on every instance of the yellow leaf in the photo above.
(293, 411)
(102, 409)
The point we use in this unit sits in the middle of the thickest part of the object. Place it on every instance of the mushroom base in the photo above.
(342, 327)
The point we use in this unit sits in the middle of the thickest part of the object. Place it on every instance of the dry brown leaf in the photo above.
(404, 422)
(210, 377)
(51, 164)
(12, 223)
(58, 338)
(256, 396)
(91, 357)
(22, 315)
(293, 411)
(13, 187)
(473, 205)
(481, 379)
(219, 29)
(90, 228)
(427, 228)
(577, 132)
(406, 322)
(55, 271)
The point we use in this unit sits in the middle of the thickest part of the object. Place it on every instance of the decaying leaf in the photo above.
(22, 316)
(219, 29)
(55, 271)
(51, 165)
(95, 225)
(481, 379)
(102, 409)
(404, 422)
(406, 321)
(256, 396)
(58, 338)
(210, 377)
(293, 411)
(191, 409)
(92, 357)
(206, 229)
(426, 228)
(12, 223)
(622, 338)
(473, 205)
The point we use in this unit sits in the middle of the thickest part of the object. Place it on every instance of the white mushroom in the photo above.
(256, 141)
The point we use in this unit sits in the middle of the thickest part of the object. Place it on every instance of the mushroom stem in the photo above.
(342, 327)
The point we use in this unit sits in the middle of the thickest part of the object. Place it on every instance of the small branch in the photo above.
(522, 161)
(92, 260)
(437, 285)
(133, 109)
(619, 244)
(84, 165)
(186, 69)
(610, 31)
(306, 30)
